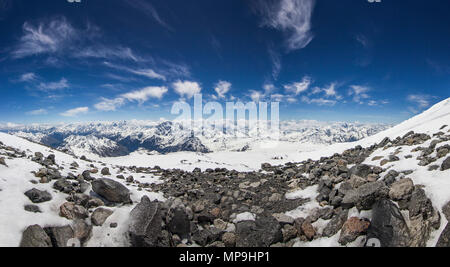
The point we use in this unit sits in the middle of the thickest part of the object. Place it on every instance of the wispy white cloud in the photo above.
(299, 87)
(293, 17)
(147, 9)
(58, 38)
(146, 93)
(37, 112)
(175, 69)
(109, 104)
(186, 88)
(149, 73)
(107, 52)
(28, 77)
(75, 112)
(420, 101)
(44, 38)
(319, 101)
(221, 88)
(61, 84)
(275, 58)
(359, 93)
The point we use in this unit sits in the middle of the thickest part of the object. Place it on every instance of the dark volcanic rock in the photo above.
(111, 190)
(178, 221)
(105, 171)
(388, 225)
(38, 196)
(32, 208)
(365, 196)
(146, 224)
(260, 233)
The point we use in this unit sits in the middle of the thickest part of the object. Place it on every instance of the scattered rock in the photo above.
(105, 171)
(388, 225)
(446, 211)
(263, 232)
(71, 211)
(35, 236)
(38, 196)
(178, 221)
(100, 215)
(229, 239)
(335, 224)
(353, 228)
(361, 170)
(63, 185)
(283, 219)
(111, 190)
(82, 231)
(365, 196)
(446, 164)
(401, 189)
(60, 236)
(145, 227)
(444, 238)
(308, 230)
(32, 208)
(420, 204)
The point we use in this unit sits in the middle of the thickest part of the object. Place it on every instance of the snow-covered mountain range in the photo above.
(50, 198)
(113, 139)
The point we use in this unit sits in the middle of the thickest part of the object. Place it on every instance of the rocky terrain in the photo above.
(354, 198)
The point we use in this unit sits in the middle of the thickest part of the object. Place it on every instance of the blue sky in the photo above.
(347, 60)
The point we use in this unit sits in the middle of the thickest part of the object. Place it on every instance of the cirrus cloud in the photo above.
(292, 17)
(75, 112)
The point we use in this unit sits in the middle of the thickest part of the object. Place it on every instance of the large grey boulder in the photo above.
(365, 196)
(388, 226)
(145, 224)
(35, 236)
(111, 190)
